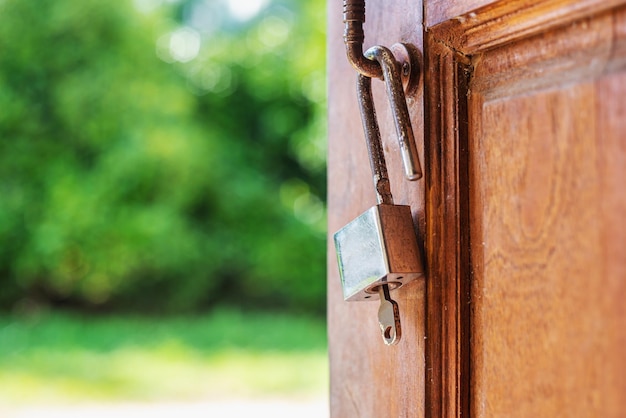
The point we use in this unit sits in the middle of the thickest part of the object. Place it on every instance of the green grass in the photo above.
(62, 357)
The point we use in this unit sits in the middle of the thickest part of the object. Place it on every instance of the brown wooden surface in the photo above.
(465, 27)
(523, 216)
(369, 379)
(547, 143)
(548, 333)
(438, 11)
(447, 245)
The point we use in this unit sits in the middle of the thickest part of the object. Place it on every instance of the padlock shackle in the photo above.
(395, 91)
(372, 138)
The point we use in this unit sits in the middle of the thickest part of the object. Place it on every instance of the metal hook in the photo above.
(393, 83)
(353, 37)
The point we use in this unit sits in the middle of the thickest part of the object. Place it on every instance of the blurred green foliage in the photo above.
(162, 155)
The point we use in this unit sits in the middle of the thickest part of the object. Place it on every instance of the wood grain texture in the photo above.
(437, 11)
(549, 278)
(547, 129)
(469, 30)
(369, 379)
(447, 245)
(545, 339)
(522, 214)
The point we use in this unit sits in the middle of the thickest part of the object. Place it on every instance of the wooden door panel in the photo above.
(547, 339)
(546, 143)
(542, 137)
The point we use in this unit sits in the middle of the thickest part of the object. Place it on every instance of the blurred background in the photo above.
(162, 215)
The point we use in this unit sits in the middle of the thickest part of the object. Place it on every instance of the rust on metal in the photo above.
(393, 84)
(372, 137)
(353, 18)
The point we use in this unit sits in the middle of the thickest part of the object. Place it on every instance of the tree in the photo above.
(161, 184)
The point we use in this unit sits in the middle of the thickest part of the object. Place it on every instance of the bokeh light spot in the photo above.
(245, 9)
(184, 44)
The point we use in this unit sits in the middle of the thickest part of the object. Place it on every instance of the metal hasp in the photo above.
(379, 62)
(378, 251)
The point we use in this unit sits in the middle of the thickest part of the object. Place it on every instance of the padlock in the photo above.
(378, 247)
(378, 251)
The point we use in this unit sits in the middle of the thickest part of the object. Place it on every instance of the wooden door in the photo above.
(522, 311)
(369, 379)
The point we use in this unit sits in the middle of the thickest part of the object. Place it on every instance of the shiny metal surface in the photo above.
(389, 317)
(361, 255)
(378, 247)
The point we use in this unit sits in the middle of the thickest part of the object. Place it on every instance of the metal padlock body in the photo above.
(379, 247)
